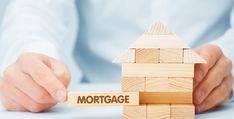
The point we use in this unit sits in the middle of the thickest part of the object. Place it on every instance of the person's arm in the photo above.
(36, 26)
(213, 82)
(32, 34)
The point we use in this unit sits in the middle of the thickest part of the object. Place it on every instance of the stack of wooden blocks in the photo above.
(160, 66)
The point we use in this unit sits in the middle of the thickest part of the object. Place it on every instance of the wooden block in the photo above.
(134, 112)
(182, 111)
(133, 84)
(158, 28)
(171, 55)
(158, 111)
(102, 98)
(157, 84)
(126, 57)
(159, 41)
(166, 97)
(164, 84)
(191, 57)
(181, 84)
(158, 70)
(149, 55)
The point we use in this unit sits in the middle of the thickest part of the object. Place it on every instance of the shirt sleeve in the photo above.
(39, 26)
(226, 42)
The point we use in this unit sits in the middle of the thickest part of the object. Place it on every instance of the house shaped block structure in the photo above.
(160, 66)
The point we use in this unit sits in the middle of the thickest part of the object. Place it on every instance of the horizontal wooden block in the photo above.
(149, 55)
(134, 84)
(126, 57)
(166, 97)
(102, 98)
(134, 112)
(191, 57)
(159, 41)
(158, 111)
(158, 70)
(157, 84)
(182, 111)
(181, 84)
(170, 55)
(165, 84)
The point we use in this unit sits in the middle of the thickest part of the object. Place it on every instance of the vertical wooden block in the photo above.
(181, 84)
(149, 55)
(126, 57)
(134, 112)
(157, 84)
(171, 55)
(133, 84)
(158, 111)
(191, 57)
(182, 111)
(165, 84)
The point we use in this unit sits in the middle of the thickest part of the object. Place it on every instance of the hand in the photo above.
(35, 82)
(213, 81)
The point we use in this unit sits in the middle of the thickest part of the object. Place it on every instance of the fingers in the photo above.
(44, 76)
(211, 54)
(61, 71)
(214, 78)
(22, 101)
(8, 103)
(217, 96)
(33, 90)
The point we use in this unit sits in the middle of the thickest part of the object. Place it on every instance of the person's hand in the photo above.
(213, 81)
(35, 82)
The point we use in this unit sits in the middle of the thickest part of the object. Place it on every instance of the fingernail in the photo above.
(61, 95)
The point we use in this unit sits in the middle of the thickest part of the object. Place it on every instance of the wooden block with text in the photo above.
(171, 55)
(134, 112)
(149, 55)
(158, 111)
(182, 111)
(133, 84)
(102, 98)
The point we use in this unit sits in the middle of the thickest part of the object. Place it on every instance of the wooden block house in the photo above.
(160, 66)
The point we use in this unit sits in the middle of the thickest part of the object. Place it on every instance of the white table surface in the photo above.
(61, 111)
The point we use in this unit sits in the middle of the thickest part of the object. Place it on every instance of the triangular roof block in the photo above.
(158, 36)
(158, 28)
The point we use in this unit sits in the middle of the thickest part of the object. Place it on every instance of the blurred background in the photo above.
(2, 8)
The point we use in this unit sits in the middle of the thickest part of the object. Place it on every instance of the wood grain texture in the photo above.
(134, 112)
(158, 111)
(149, 55)
(165, 84)
(158, 70)
(182, 111)
(165, 97)
(158, 28)
(159, 41)
(126, 57)
(192, 57)
(181, 84)
(102, 98)
(135, 84)
(171, 55)
(157, 84)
